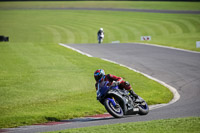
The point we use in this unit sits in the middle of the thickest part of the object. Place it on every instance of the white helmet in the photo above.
(101, 29)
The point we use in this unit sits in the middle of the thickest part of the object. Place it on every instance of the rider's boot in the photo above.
(137, 99)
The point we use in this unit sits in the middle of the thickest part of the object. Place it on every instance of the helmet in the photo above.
(101, 29)
(99, 75)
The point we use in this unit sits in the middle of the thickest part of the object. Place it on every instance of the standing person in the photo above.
(100, 35)
(100, 76)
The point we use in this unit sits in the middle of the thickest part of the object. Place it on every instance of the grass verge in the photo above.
(179, 125)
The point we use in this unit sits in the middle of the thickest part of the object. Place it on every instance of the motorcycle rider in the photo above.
(100, 33)
(100, 76)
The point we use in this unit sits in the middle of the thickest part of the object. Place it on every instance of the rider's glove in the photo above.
(115, 83)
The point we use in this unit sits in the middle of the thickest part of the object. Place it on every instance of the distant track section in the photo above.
(111, 9)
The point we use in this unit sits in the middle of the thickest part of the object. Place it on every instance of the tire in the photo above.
(143, 109)
(116, 112)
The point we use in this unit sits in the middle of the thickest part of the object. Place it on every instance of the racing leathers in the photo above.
(100, 35)
(114, 80)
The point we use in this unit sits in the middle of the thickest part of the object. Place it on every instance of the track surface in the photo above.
(180, 69)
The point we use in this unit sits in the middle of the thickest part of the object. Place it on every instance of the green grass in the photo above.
(42, 81)
(179, 125)
(175, 30)
(106, 4)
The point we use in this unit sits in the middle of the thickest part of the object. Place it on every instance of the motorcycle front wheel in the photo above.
(143, 108)
(115, 111)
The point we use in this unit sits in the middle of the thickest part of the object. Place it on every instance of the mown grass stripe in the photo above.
(70, 37)
(56, 35)
(131, 32)
(182, 25)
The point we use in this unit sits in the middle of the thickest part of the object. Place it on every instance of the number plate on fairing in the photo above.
(136, 109)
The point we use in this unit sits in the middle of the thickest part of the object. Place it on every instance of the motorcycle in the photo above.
(118, 102)
(100, 38)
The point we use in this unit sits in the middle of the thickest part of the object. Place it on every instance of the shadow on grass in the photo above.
(52, 119)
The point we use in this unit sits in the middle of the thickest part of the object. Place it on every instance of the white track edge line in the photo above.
(156, 45)
(64, 45)
(172, 89)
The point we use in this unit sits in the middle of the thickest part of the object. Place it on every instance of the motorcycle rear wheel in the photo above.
(116, 112)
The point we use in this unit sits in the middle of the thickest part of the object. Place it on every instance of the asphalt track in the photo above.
(180, 69)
